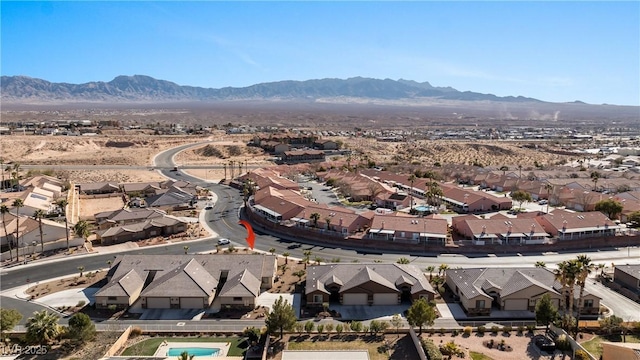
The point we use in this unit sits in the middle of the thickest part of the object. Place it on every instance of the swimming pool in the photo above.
(197, 351)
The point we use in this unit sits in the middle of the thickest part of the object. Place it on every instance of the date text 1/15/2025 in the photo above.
(16, 349)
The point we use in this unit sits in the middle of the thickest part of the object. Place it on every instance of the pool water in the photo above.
(197, 351)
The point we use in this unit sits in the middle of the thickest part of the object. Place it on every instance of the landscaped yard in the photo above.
(372, 347)
(478, 356)
(380, 347)
(148, 347)
(594, 346)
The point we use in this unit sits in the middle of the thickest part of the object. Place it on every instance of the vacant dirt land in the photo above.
(90, 207)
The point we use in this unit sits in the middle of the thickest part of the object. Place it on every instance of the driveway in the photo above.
(69, 297)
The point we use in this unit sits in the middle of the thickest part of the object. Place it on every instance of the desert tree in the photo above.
(546, 312)
(421, 313)
(609, 207)
(396, 321)
(315, 217)
(281, 318)
(521, 196)
(430, 269)
(9, 318)
(286, 257)
(81, 328)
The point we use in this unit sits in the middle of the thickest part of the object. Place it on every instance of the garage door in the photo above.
(354, 299)
(516, 304)
(385, 299)
(191, 303)
(158, 303)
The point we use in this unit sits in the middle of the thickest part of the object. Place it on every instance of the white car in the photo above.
(223, 241)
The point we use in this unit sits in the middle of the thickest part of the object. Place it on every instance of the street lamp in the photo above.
(33, 249)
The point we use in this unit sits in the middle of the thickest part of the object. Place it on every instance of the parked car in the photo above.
(223, 241)
(543, 202)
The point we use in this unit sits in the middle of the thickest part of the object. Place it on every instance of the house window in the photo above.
(112, 298)
(237, 299)
(479, 304)
(317, 298)
(588, 303)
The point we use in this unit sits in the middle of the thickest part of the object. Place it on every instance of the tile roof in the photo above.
(352, 275)
(124, 285)
(188, 279)
(243, 284)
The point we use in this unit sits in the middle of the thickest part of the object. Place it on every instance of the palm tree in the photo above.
(549, 188)
(585, 267)
(18, 203)
(186, 249)
(15, 174)
(430, 269)
(442, 269)
(540, 264)
(185, 356)
(411, 179)
(4, 209)
(38, 215)
(307, 256)
(43, 327)
(595, 176)
(81, 269)
(561, 277)
(83, 229)
(62, 205)
(2, 171)
(286, 257)
(315, 217)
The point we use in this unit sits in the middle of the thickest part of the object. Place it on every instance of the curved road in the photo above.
(223, 219)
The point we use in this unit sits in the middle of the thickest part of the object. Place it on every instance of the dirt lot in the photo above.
(90, 207)
(75, 282)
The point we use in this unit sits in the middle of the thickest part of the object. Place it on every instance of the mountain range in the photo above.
(140, 88)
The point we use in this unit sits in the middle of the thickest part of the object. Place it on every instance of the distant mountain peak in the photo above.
(149, 89)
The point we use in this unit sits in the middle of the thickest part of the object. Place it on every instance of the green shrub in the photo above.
(531, 328)
(135, 332)
(562, 343)
(520, 329)
(481, 329)
(581, 355)
(432, 351)
(495, 329)
(507, 329)
(467, 330)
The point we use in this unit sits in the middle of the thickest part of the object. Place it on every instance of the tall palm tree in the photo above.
(43, 327)
(62, 205)
(82, 229)
(430, 269)
(4, 209)
(2, 171)
(540, 264)
(411, 179)
(549, 188)
(595, 176)
(286, 257)
(572, 270)
(18, 203)
(315, 217)
(15, 173)
(561, 276)
(585, 268)
(38, 215)
(442, 269)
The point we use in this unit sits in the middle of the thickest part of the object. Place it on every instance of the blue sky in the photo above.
(553, 51)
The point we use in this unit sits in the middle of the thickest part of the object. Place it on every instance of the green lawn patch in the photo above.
(594, 346)
(371, 346)
(149, 347)
(478, 356)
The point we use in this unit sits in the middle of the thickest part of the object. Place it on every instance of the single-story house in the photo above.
(98, 188)
(366, 284)
(567, 225)
(161, 226)
(187, 281)
(428, 230)
(627, 276)
(509, 289)
(107, 219)
(500, 230)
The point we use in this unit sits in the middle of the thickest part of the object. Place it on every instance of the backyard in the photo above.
(379, 347)
(594, 346)
(149, 346)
